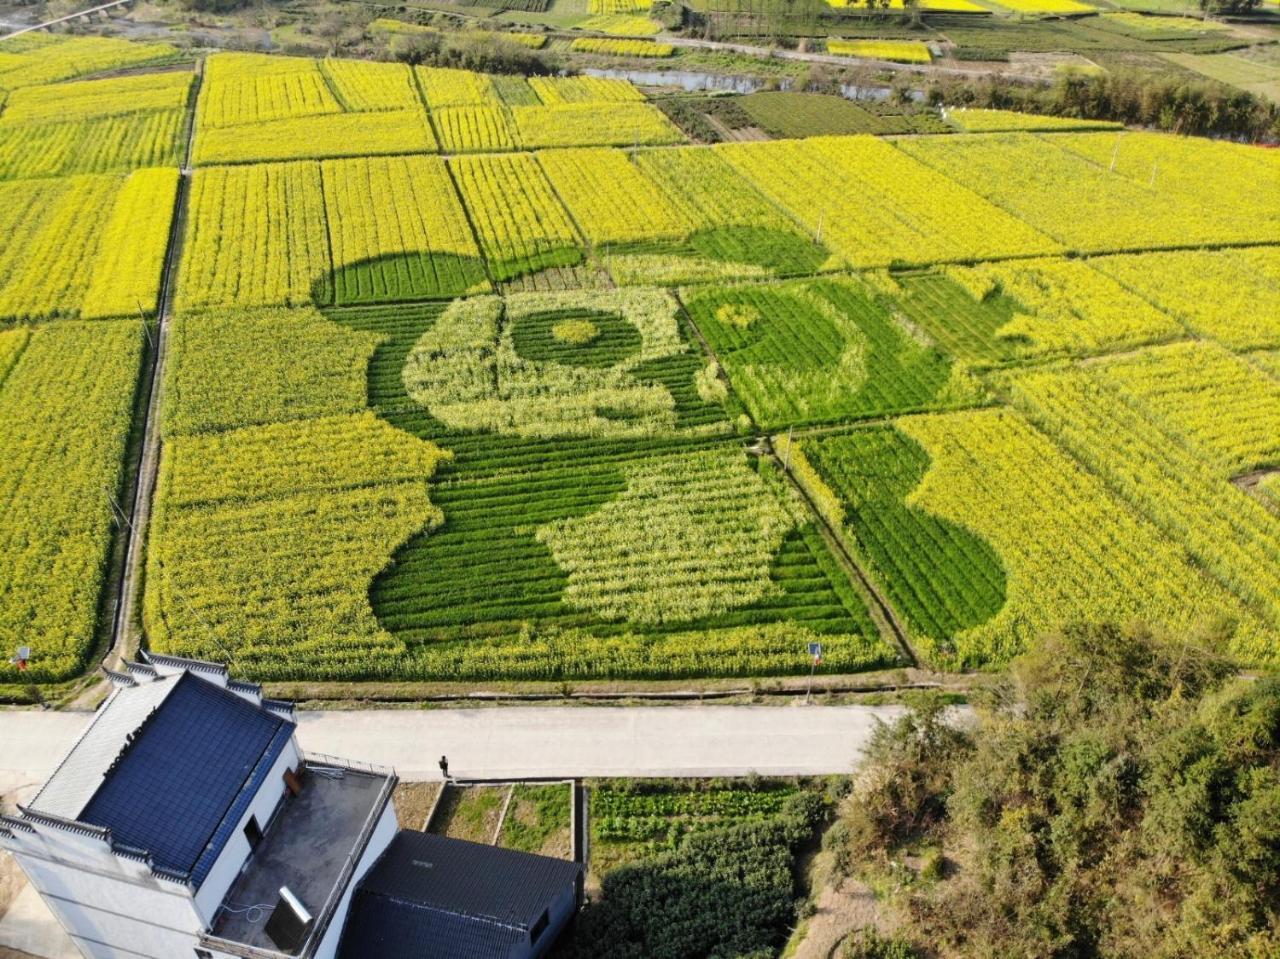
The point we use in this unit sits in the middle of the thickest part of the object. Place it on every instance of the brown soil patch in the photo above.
(413, 803)
(842, 907)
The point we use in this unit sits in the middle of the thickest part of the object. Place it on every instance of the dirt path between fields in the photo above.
(126, 623)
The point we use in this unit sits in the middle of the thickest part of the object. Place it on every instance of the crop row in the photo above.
(821, 352)
(255, 108)
(397, 231)
(107, 144)
(1109, 210)
(479, 454)
(622, 47)
(938, 575)
(35, 59)
(85, 245)
(468, 371)
(1071, 549)
(280, 557)
(902, 212)
(234, 368)
(1148, 465)
(66, 397)
(1067, 306)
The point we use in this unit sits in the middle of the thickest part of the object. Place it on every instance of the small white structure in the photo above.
(185, 823)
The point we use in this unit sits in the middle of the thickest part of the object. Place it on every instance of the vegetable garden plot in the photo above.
(397, 231)
(259, 99)
(620, 47)
(473, 129)
(443, 87)
(92, 99)
(318, 137)
(631, 820)
(975, 120)
(620, 25)
(66, 397)
(520, 224)
(554, 91)
(250, 110)
(611, 200)
(255, 237)
(104, 145)
(1070, 549)
(822, 352)
(901, 51)
(362, 86)
(126, 274)
(1076, 201)
(86, 244)
(65, 58)
(1232, 296)
(901, 213)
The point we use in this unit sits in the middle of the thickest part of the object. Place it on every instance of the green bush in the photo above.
(1118, 797)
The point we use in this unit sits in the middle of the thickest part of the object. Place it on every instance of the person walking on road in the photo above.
(444, 766)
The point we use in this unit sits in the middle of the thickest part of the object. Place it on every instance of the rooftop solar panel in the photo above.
(175, 789)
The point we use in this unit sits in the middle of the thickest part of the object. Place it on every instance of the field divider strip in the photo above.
(502, 816)
(149, 462)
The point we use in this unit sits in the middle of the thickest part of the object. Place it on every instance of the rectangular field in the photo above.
(66, 399)
(901, 212)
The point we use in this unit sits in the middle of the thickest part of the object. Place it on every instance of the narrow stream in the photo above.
(691, 81)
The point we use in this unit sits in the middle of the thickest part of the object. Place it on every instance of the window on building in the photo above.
(540, 926)
(203, 954)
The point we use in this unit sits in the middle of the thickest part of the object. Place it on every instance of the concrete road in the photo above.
(532, 742)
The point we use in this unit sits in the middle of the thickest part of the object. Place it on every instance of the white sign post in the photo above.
(815, 657)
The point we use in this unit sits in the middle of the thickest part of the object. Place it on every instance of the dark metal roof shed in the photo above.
(432, 895)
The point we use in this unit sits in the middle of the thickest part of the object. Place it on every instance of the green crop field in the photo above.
(484, 379)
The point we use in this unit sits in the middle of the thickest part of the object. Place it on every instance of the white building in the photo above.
(175, 820)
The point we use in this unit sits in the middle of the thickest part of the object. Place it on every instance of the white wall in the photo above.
(383, 833)
(110, 913)
(236, 852)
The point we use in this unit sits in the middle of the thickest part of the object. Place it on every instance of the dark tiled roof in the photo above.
(468, 878)
(382, 928)
(179, 787)
(434, 896)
